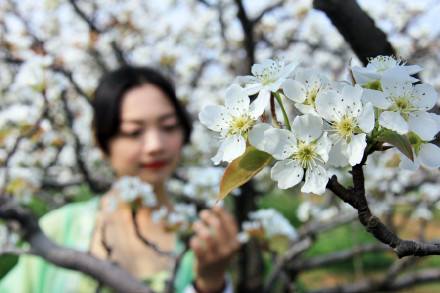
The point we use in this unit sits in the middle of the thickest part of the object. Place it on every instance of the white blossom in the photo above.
(304, 88)
(132, 188)
(380, 65)
(305, 148)
(233, 121)
(267, 224)
(267, 77)
(404, 106)
(349, 120)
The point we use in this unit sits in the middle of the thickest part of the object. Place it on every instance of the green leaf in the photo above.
(401, 142)
(242, 169)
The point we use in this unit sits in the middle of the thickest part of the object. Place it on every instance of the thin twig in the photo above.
(146, 241)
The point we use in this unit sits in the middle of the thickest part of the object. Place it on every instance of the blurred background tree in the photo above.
(54, 51)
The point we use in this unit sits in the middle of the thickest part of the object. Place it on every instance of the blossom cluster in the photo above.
(133, 191)
(339, 123)
(178, 220)
(266, 225)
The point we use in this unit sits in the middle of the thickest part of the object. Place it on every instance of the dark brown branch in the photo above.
(386, 285)
(93, 29)
(14, 251)
(356, 198)
(103, 271)
(248, 32)
(170, 282)
(357, 28)
(334, 257)
(153, 246)
(69, 76)
(83, 16)
(119, 54)
(273, 111)
(295, 250)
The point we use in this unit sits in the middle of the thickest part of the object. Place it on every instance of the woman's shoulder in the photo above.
(70, 218)
(72, 209)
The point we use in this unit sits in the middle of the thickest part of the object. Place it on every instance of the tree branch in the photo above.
(357, 28)
(248, 32)
(356, 198)
(103, 271)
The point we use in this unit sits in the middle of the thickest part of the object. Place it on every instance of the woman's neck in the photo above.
(163, 200)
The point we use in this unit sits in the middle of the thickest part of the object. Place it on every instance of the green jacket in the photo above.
(72, 226)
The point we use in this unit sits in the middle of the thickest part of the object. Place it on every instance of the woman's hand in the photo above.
(214, 243)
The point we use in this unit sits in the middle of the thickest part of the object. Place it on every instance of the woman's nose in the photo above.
(153, 141)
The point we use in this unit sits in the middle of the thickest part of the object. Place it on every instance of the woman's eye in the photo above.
(171, 127)
(132, 134)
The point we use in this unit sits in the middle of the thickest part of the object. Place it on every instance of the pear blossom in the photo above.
(304, 88)
(267, 224)
(304, 149)
(349, 121)
(132, 188)
(33, 73)
(267, 77)
(179, 219)
(380, 65)
(405, 106)
(233, 121)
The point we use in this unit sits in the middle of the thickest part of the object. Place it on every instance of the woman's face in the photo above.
(150, 136)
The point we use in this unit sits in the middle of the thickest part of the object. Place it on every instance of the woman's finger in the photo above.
(228, 223)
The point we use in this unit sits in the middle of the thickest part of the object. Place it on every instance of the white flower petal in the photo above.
(288, 173)
(260, 103)
(427, 94)
(306, 109)
(395, 84)
(323, 146)
(256, 135)
(328, 105)
(337, 156)
(423, 125)
(351, 98)
(356, 147)
(212, 117)
(275, 85)
(366, 119)
(412, 69)
(436, 118)
(231, 148)
(398, 73)
(237, 98)
(279, 143)
(247, 79)
(316, 180)
(288, 71)
(307, 127)
(393, 121)
(294, 90)
(377, 98)
(364, 75)
(407, 164)
(252, 89)
(430, 155)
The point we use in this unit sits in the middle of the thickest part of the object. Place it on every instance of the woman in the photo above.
(141, 128)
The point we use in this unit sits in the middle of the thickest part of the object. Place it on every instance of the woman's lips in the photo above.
(155, 165)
